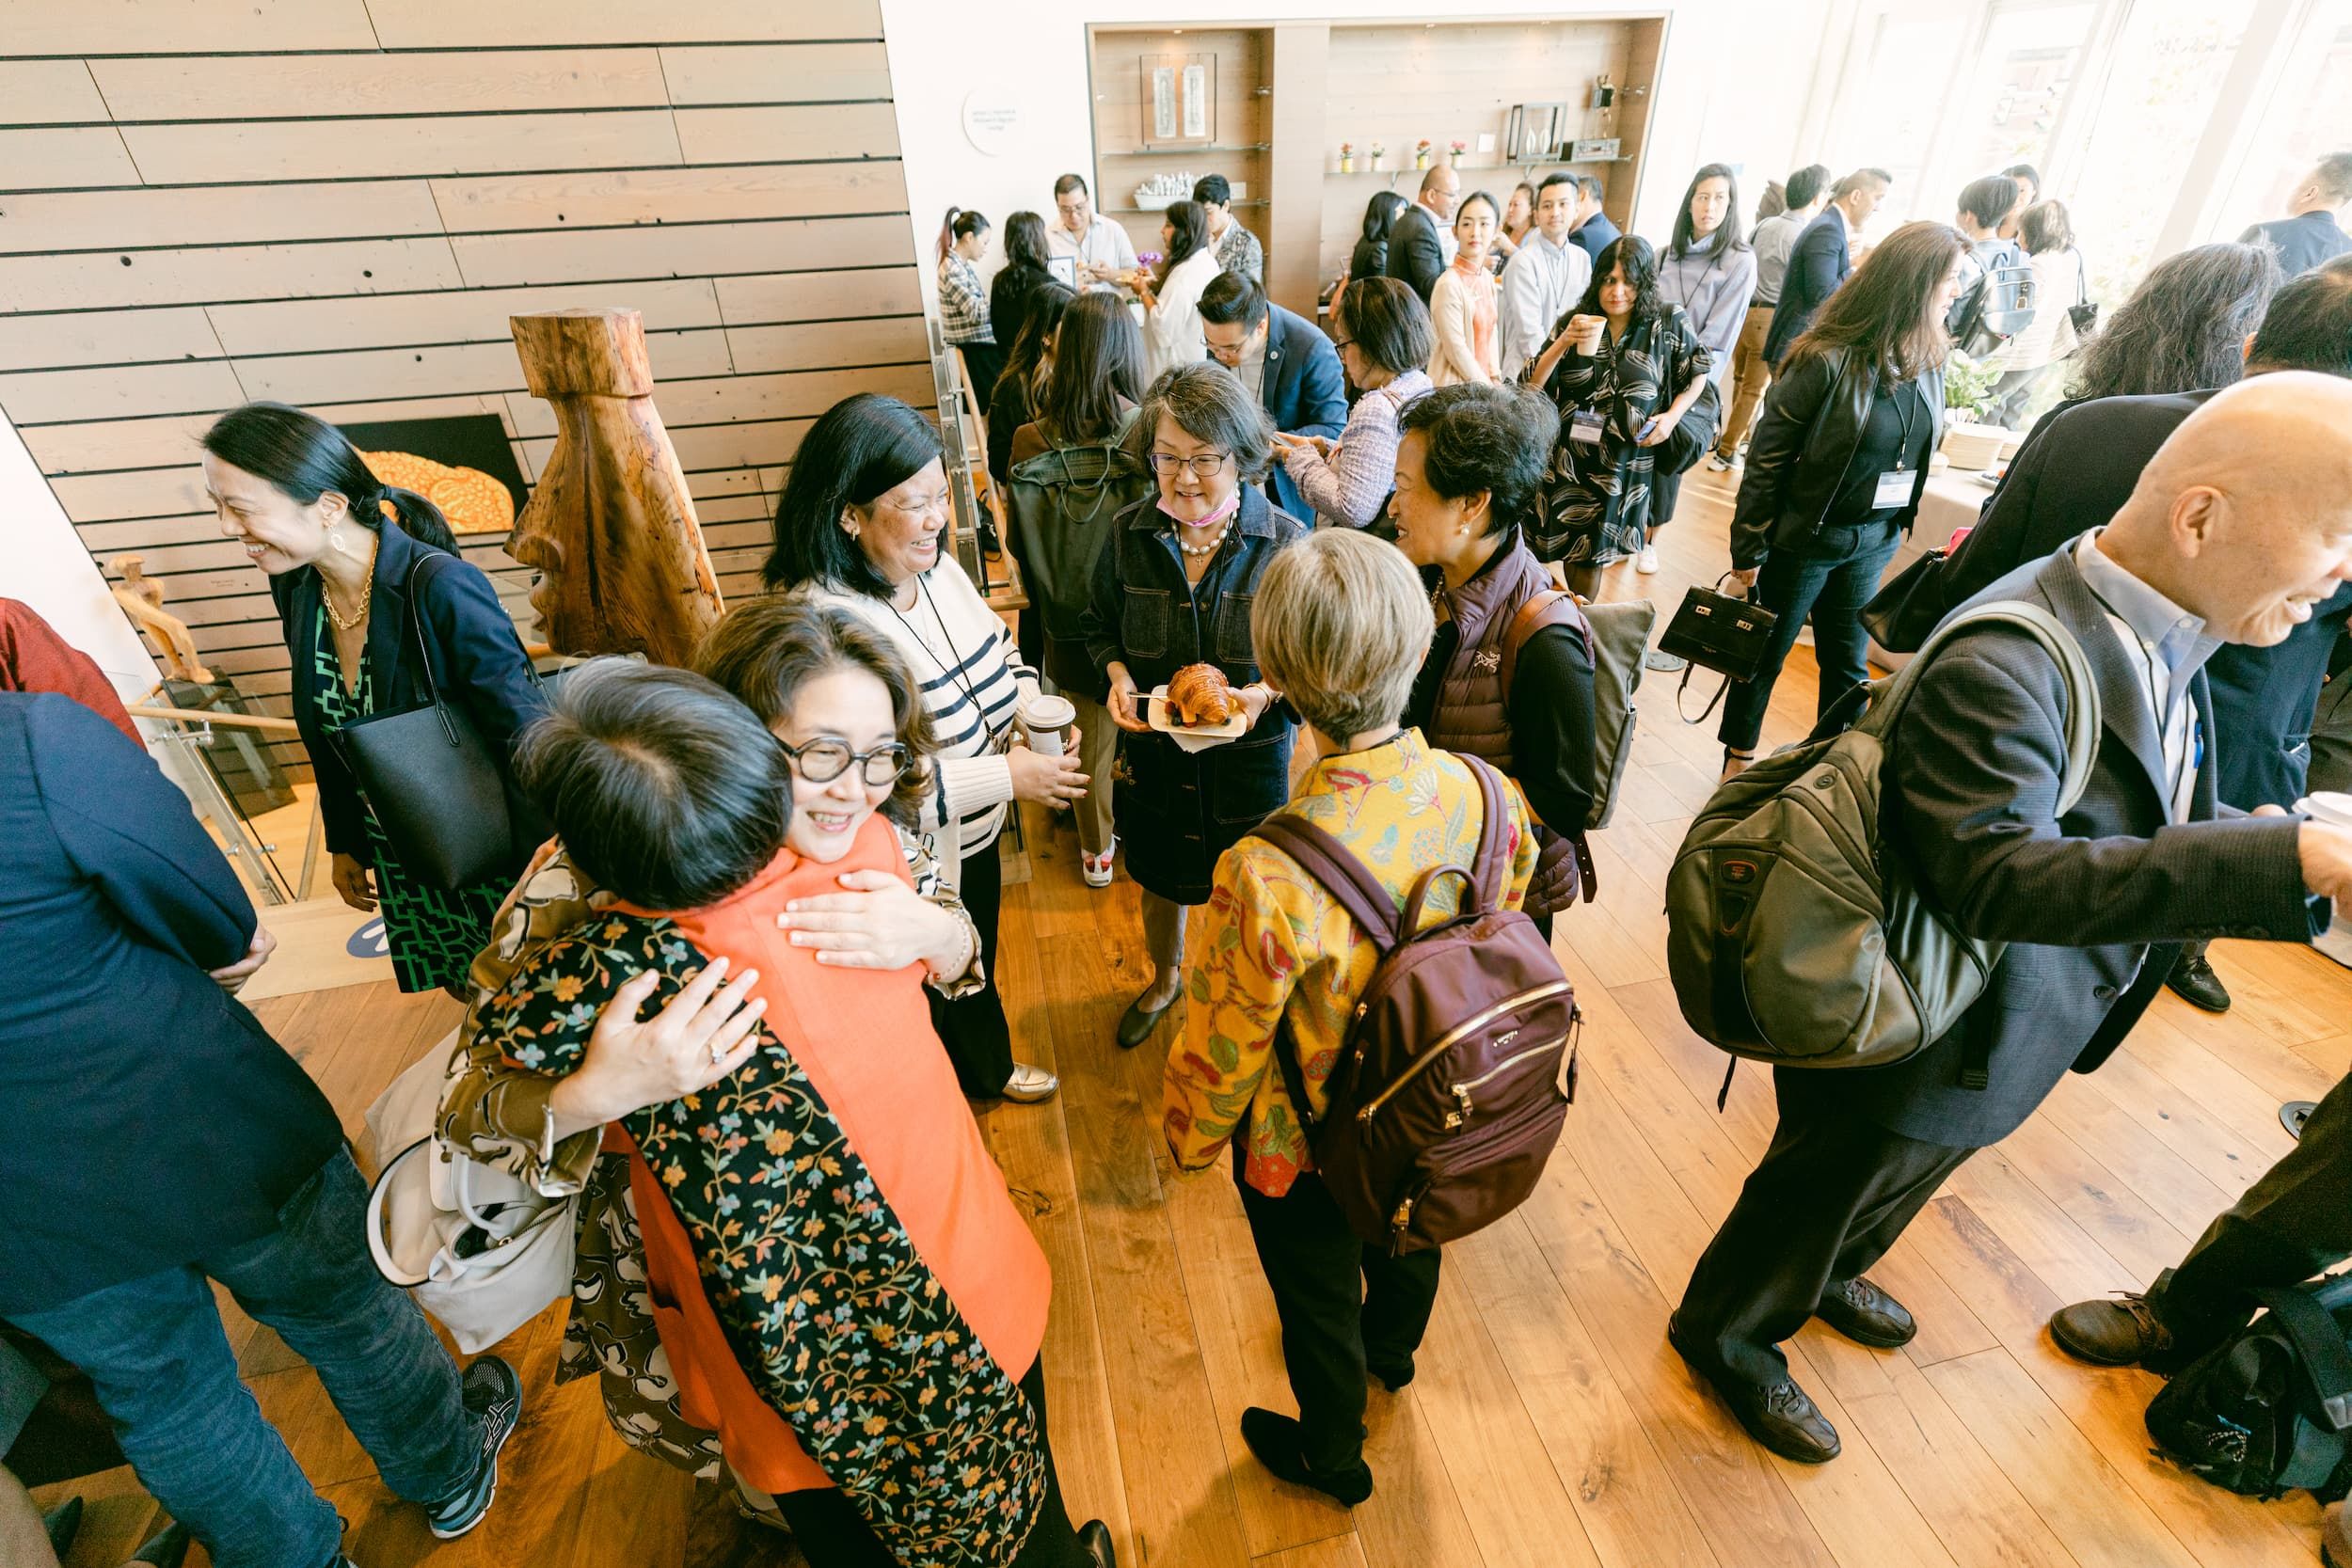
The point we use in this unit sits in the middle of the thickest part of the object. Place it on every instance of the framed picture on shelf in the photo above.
(1179, 98)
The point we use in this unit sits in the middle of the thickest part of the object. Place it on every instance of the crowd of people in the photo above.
(798, 1266)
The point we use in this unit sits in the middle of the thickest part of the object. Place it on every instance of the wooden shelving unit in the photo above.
(1240, 138)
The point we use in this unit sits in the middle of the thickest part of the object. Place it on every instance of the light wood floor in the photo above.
(1549, 1423)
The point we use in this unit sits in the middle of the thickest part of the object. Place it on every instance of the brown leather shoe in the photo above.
(1781, 1416)
(2124, 1332)
(1866, 1314)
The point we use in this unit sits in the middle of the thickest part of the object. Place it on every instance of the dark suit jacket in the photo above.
(1974, 767)
(1817, 263)
(1415, 254)
(478, 662)
(2074, 472)
(146, 1118)
(1304, 390)
(1594, 235)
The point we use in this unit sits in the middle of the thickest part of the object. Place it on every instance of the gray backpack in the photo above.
(1796, 933)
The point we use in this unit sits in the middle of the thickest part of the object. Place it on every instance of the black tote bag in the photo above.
(437, 793)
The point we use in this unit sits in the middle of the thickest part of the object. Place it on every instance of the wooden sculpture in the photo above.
(610, 526)
(142, 599)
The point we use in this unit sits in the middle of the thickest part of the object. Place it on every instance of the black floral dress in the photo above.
(432, 935)
(1597, 495)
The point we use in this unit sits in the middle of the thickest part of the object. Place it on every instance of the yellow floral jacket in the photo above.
(1280, 945)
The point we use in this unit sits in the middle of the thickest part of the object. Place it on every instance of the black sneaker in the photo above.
(494, 1397)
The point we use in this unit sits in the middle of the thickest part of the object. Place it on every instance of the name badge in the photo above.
(1895, 488)
(1584, 425)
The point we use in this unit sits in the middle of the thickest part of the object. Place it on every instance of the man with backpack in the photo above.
(1995, 300)
(2240, 525)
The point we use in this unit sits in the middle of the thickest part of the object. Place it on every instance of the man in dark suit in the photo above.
(1287, 364)
(1594, 231)
(154, 1139)
(2240, 525)
(1824, 255)
(1422, 242)
(2076, 470)
(2310, 234)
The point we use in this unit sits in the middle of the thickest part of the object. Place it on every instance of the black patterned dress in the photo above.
(1597, 495)
(432, 935)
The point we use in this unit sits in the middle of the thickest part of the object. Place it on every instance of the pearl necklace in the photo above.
(1208, 549)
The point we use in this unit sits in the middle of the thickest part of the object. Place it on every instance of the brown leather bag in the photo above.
(1458, 1065)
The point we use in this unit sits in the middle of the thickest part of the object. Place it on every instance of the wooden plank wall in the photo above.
(338, 203)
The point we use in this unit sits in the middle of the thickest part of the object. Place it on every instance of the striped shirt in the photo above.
(973, 682)
(962, 302)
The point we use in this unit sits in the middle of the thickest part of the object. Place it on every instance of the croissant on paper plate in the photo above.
(1200, 694)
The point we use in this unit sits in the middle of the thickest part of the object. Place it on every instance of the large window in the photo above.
(2309, 116)
(2023, 76)
(1892, 123)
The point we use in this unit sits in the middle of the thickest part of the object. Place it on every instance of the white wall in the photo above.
(43, 563)
(1736, 85)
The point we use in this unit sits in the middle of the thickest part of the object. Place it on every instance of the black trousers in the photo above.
(2291, 1225)
(831, 1533)
(973, 1027)
(1832, 1194)
(1339, 1301)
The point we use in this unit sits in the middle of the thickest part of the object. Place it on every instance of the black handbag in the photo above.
(1909, 605)
(1694, 434)
(427, 774)
(1722, 633)
(2084, 312)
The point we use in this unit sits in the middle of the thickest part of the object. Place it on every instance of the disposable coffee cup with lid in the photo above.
(1046, 718)
(2332, 807)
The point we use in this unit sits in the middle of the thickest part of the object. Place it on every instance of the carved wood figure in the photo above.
(610, 526)
(142, 599)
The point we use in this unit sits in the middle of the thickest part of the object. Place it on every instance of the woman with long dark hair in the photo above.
(2183, 328)
(1012, 403)
(860, 526)
(1073, 474)
(1370, 259)
(1171, 292)
(963, 316)
(1710, 270)
(348, 582)
(1623, 366)
(1026, 270)
(1840, 463)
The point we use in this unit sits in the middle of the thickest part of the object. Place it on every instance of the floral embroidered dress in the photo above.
(1280, 946)
(828, 1303)
(432, 935)
(1597, 495)
(498, 1113)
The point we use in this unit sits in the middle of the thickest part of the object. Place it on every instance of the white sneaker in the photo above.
(1028, 1084)
(1646, 562)
(1097, 869)
(1721, 464)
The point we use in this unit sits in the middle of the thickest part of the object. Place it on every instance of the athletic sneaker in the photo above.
(1718, 462)
(1646, 562)
(1096, 869)
(494, 1397)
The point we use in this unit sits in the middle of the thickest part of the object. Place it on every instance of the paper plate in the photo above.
(1195, 738)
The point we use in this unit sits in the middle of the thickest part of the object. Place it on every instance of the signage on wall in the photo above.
(989, 118)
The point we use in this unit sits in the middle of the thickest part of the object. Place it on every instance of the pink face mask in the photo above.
(1232, 505)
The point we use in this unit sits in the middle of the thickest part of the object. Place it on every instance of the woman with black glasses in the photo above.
(860, 525)
(1172, 590)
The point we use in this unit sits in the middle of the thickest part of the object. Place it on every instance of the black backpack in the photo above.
(2267, 1411)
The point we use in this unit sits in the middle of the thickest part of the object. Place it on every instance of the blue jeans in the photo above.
(1830, 582)
(163, 1368)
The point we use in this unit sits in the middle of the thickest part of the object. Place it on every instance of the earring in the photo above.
(336, 541)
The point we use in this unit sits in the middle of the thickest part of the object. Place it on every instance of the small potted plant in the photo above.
(1420, 153)
(1969, 442)
(1379, 157)
(1347, 157)
(1453, 155)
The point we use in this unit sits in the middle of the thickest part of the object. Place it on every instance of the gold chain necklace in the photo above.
(367, 593)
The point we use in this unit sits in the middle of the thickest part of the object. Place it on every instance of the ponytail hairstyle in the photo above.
(960, 223)
(304, 457)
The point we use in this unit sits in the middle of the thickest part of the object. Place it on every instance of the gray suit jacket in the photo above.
(1976, 763)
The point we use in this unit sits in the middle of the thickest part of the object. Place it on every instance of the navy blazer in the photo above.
(147, 1120)
(1817, 263)
(1596, 235)
(1416, 256)
(1304, 390)
(478, 662)
(1972, 791)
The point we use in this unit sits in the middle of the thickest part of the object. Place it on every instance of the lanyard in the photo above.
(1902, 413)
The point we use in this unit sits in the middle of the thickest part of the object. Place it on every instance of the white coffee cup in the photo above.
(2329, 806)
(1045, 716)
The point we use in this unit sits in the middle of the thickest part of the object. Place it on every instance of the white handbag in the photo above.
(482, 1252)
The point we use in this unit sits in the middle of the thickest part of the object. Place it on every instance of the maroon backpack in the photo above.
(1451, 1087)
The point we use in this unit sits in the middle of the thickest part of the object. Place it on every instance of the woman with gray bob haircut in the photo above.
(1172, 589)
(1341, 629)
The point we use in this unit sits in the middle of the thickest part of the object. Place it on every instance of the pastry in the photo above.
(1200, 694)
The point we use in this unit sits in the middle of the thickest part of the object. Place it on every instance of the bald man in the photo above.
(1422, 245)
(2240, 525)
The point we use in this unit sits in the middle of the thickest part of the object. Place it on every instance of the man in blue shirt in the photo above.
(2310, 234)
